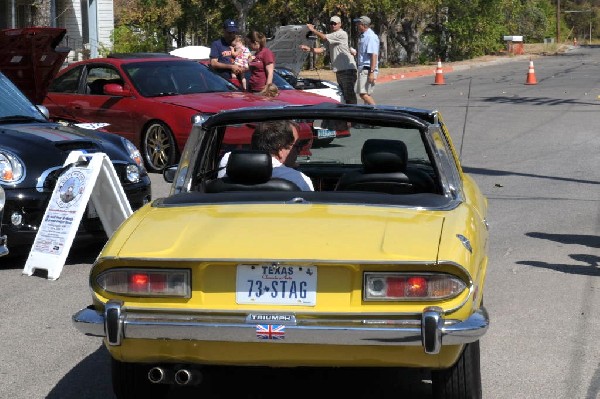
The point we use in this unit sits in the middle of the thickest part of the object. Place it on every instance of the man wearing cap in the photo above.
(221, 57)
(342, 60)
(368, 59)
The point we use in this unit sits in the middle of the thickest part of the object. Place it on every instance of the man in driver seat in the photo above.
(278, 138)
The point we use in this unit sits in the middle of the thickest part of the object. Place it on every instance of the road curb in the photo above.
(417, 71)
(453, 67)
(411, 74)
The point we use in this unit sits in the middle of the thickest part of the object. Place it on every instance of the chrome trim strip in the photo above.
(342, 331)
(452, 204)
(466, 242)
(39, 185)
(285, 261)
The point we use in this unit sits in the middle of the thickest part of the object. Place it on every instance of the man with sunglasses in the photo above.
(342, 59)
(280, 139)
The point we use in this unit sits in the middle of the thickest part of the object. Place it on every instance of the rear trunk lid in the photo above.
(305, 232)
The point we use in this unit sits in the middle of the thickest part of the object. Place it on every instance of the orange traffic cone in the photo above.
(439, 74)
(531, 80)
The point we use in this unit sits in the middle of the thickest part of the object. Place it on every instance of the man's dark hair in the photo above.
(273, 136)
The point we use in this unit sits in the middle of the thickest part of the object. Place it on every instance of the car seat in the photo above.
(383, 169)
(249, 170)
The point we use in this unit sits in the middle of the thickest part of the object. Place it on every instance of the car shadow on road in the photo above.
(591, 266)
(90, 379)
(499, 172)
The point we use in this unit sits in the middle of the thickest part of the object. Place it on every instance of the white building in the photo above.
(89, 23)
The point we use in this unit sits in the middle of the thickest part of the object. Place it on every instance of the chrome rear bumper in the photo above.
(431, 331)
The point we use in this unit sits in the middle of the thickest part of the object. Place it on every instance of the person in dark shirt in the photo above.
(221, 56)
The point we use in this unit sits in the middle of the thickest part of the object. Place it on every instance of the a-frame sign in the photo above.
(89, 176)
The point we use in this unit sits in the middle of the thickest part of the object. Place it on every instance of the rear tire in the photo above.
(463, 379)
(158, 147)
(130, 381)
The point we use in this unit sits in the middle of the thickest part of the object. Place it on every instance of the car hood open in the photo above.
(319, 231)
(286, 46)
(30, 58)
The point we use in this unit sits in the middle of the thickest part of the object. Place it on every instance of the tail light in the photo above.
(402, 286)
(146, 282)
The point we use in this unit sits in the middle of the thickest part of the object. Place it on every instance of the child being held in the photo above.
(242, 57)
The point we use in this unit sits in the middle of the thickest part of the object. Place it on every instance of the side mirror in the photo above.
(114, 89)
(169, 173)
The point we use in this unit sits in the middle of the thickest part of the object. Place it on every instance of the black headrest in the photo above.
(384, 156)
(249, 170)
(249, 166)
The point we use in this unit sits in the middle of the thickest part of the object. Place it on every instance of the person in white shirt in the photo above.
(278, 138)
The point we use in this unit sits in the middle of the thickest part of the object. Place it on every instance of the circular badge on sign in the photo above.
(71, 188)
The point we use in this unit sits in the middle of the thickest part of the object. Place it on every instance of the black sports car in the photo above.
(33, 150)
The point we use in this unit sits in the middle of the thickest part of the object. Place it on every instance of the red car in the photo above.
(152, 99)
(323, 131)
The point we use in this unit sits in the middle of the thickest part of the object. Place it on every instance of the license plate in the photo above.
(270, 284)
(325, 133)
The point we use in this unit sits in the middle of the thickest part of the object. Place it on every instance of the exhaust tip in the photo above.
(188, 377)
(158, 375)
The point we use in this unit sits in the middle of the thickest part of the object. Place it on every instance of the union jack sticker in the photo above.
(269, 331)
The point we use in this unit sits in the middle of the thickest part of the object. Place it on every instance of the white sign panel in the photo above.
(65, 210)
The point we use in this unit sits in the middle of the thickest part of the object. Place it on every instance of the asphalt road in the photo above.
(534, 151)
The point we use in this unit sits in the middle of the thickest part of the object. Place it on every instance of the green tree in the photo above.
(579, 17)
(534, 20)
(413, 20)
(411, 31)
(243, 8)
(475, 28)
(145, 25)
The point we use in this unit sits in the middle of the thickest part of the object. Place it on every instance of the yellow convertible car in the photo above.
(381, 262)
